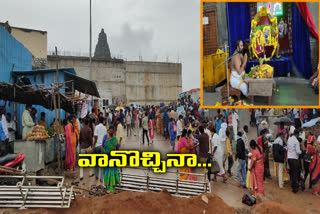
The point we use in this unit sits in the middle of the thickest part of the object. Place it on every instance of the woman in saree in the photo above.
(256, 169)
(111, 174)
(193, 149)
(71, 144)
(314, 166)
(151, 127)
(158, 121)
(183, 147)
(136, 122)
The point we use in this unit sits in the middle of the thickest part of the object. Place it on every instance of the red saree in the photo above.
(71, 141)
(151, 129)
(257, 173)
(314, 169)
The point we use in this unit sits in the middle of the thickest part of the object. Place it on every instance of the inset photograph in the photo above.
(259, 54)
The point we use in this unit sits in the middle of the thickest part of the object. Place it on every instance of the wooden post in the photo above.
(55, 110)
(14, 95)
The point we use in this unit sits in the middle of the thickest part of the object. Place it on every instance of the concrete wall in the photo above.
(108, 76)
(132, 82)
(314, 43)
(35, 42)
(152, 82)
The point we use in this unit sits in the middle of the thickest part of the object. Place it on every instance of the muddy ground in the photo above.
(225, 197)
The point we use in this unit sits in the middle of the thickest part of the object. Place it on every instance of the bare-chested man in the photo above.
(238, 63)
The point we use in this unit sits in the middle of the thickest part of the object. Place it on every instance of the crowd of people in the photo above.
(294, 150)
(220, 141)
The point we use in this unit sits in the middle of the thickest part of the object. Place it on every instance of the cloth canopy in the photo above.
(33, 96)
(80, 84)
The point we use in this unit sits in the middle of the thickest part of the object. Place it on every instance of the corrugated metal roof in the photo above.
(46, 70)
(80, 84)
(12, 52)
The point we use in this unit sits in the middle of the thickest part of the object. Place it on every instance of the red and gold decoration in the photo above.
(264, 35)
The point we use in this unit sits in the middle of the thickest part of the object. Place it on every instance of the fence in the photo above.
(117, 56)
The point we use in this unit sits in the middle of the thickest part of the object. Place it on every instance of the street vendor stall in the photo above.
(47, 90)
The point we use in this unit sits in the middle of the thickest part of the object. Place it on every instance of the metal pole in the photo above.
(226, 51)
(90, 57)
(55, 111)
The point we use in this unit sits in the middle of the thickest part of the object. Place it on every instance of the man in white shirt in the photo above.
(179, 127)
(120, 132)
(27, 121)
(235, 122)
(293, 156)
(318, 139)
(271, 112)
(257, 116)
(4, 122)
(297, 122)
(222, 136)
(208, 132)
(245, 139)
(218, 153)
(99, 132)
(12, 132)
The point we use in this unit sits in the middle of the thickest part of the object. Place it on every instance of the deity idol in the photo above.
(259, 42)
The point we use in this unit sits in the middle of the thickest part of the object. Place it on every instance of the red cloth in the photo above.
(315, 169)
(257, 173)
(260, 144)
(264, 20)
(96, 110)
(279, 130)
(70, 162)
(151, 129)
(16, 161)
(197, 115)
(307, 17)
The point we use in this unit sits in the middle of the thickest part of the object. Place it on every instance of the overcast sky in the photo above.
(156, 29)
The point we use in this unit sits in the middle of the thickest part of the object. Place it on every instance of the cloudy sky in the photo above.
(158, 30)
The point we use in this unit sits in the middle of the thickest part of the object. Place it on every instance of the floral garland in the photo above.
(254, 29)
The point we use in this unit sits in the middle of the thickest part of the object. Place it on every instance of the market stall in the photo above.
(38, 147)
(45, 144)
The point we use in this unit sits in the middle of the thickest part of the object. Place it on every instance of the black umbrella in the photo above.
(163, 109)
(285, 120)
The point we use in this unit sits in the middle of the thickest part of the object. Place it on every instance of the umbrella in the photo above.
(311, 123)
(119, 108)
(163, 109)
(112, 106)
(285, 120)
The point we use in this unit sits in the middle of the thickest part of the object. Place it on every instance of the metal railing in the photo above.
(25, 194)
(145, 181)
